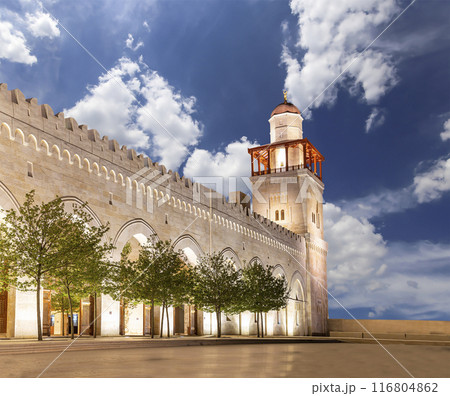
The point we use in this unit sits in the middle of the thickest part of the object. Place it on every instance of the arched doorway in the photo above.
(232, 324)
(8, 296)
(134, 319)
(188, 320)
(278, 320)
(297, 307)
(57, 318)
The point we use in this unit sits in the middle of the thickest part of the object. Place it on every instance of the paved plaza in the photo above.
(199, 357)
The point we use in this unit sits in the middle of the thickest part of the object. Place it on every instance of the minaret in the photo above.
(288, 174)
(287, 188)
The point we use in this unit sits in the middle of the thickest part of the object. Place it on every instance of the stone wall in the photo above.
(137, 197)
(409, 329)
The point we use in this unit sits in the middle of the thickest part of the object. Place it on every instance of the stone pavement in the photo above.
(234, 357)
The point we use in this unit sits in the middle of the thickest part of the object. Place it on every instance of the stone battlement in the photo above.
(145, 184)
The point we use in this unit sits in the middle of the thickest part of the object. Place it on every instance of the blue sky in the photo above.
(210, 72)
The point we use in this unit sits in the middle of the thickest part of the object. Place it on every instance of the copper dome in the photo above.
(285, 108)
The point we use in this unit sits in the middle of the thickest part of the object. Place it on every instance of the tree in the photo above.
(217, 286)
(262, 292)
(60, 303)
(32, 236)
(7, 273)
(122, 282)
(82, 268)
(164, 279)
(41, 241)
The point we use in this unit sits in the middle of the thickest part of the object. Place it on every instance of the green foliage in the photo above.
(217, 286)
(263, 292)
(7, 270)
(60, 301)
(159, 276)
(165, 278)
(43, 244)
(122, 277)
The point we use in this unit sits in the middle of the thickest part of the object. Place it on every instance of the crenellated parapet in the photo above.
(145, 184)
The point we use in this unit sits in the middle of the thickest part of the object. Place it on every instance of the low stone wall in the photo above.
(390, 329)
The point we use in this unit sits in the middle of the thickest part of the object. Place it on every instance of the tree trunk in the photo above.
(168, 324)
(63, 333)
(94, 332)
(38, 306)
(152, 324)
(257, 322)
(71, 313)
(219, 323)
(262, 325)
(161, 334)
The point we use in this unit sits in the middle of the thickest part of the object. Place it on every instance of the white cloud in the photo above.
(408, 279)
(177, 130)
(434, 182)
(331, 34)
(445, 135)
(42, 25)
(233, 162)
(129, 43)
(13, 45)
(376, 119)
(146, 26)
(428, 185)
(161, 122)
(355, 248)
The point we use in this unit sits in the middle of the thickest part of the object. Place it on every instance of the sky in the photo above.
(192, 84)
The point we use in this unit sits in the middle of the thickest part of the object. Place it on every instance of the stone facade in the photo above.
(140, 199)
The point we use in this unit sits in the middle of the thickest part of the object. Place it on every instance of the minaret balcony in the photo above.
(286, 156)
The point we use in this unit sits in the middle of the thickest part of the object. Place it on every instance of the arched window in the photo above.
(282, 214)
(277, 215)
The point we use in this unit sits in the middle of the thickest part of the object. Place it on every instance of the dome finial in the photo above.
(285, 96)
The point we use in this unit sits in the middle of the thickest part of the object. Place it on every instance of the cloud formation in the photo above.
(445, 134)
(139, 108)
(331, 34)
(129, 43)
(429, 184)
(13, 45)
(16, 32)
(42, 25)
(434, 182)
(368, 274)
(376, 119)
(219, 167)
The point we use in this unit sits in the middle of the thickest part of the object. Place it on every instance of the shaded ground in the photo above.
(127, 358)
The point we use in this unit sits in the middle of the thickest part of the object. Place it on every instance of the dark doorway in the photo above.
(122, 317)
(178, 327)
(193, 317)
(3, 311)
(147, 320)
(46, 314)
(75, 324)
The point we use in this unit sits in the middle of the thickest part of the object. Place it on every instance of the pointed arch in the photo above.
(57, 151)
(45, 145)
(87, 164)
(66, 154)
(31, 139)
(228, 252)
(4, 128)
(189, 245)
(129, 229)
(19, 132)
(77, 159)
